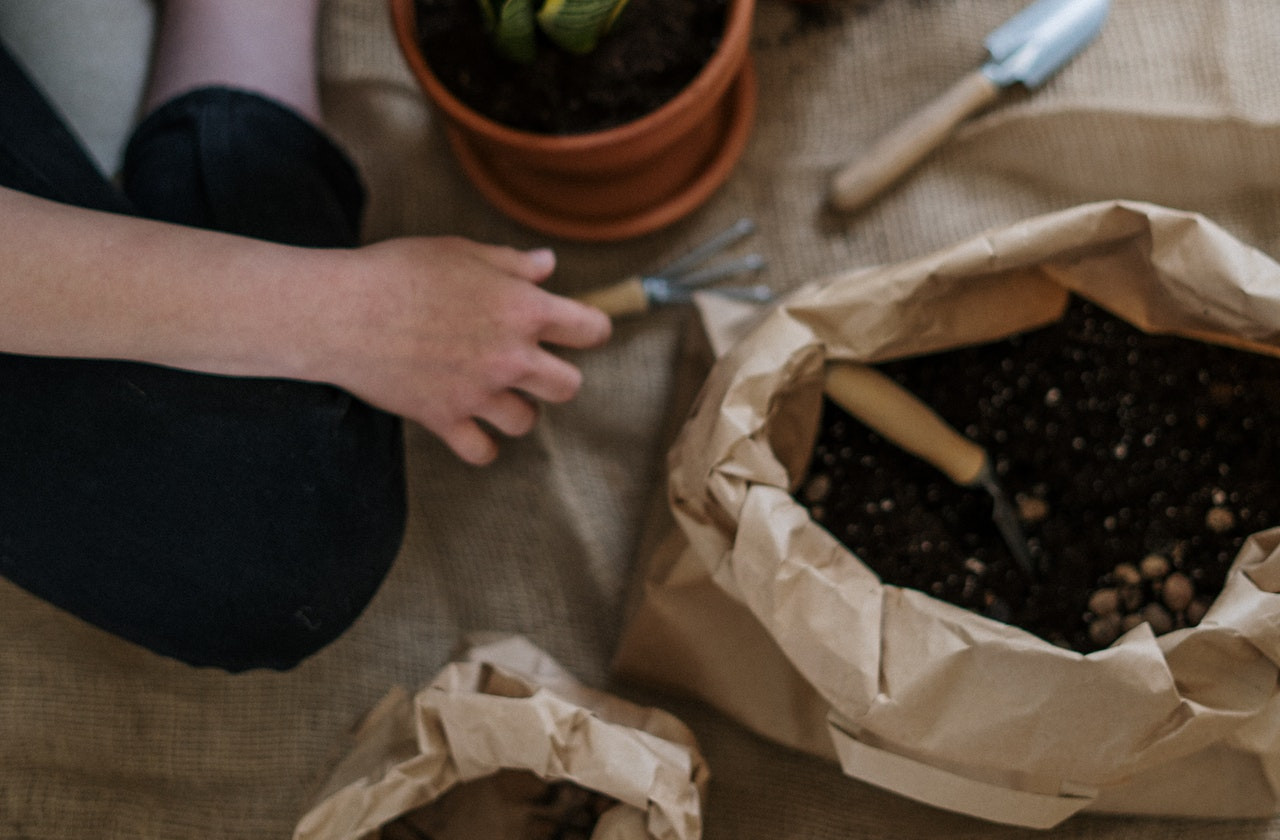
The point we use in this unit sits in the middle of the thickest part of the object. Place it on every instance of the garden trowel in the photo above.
(899, 416)
(1027, 49)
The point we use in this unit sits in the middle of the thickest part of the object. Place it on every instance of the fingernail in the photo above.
(544, 259)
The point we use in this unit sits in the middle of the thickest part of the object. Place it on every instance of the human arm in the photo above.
(441, 330)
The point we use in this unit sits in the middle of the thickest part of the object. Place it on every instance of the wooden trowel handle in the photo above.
(902, 418)
(897, 152)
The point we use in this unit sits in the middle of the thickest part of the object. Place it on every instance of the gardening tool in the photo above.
(677, 282)
(897, 414)
(1026, 49)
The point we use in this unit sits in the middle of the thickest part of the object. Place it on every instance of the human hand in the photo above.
(445, 331)
(453, 334)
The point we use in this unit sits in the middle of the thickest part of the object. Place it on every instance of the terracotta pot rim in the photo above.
(732, 46)
(742, 104)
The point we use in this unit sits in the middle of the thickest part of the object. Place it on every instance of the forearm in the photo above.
(81, 283)
(442, 330)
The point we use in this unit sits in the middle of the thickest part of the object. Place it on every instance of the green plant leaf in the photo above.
(489, 15)
(511, 26)
(576, 25)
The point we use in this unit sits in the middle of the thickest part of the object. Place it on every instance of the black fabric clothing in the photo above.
(228, 522)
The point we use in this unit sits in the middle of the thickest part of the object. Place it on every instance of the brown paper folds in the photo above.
(749, 604)
(506, 744)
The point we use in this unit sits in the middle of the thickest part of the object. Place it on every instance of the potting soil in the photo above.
(1118, 447)
(654, 49)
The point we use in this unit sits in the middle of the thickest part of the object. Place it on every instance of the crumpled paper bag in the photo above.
(749, 604)
(483, 749)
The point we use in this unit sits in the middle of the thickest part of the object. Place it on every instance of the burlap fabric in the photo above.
(1177, 103)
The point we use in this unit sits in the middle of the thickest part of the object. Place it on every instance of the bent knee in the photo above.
(273, 613)
(262, 628)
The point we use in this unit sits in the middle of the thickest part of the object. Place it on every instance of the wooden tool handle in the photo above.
(894, 154)
(902, 418)
(627, 297)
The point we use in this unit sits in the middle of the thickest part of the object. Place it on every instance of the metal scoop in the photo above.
(676, 282)
(900, 417)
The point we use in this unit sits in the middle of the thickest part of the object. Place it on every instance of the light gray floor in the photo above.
(90, 56)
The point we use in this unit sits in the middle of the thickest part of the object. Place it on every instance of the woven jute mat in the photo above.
(1178, 103)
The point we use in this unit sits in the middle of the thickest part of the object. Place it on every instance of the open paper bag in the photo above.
(505, 744)
(747, 603)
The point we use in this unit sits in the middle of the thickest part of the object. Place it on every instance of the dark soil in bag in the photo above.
(1138, 463)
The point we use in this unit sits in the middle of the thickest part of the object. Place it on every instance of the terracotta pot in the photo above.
(612, 184)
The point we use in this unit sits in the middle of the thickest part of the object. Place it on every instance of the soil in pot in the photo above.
(654, 50)
(1139, 464)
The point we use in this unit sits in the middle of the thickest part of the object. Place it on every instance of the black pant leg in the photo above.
(231, 161)
(39, 154)
(230, 522)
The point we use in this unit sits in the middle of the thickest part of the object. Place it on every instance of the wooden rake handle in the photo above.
(626, 297)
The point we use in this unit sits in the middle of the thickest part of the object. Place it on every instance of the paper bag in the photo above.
(747, 603)
(505, 744)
